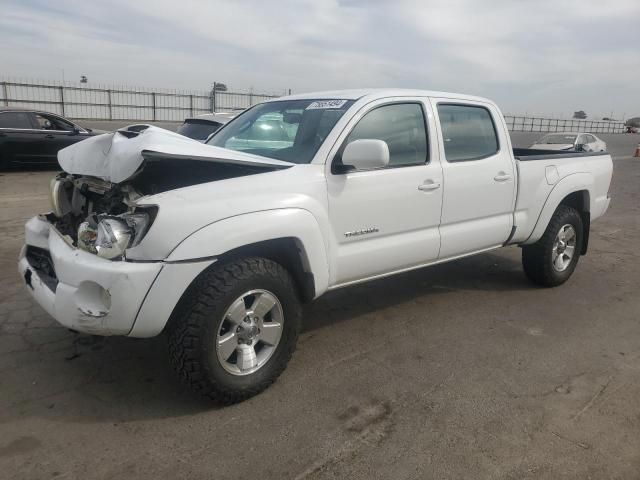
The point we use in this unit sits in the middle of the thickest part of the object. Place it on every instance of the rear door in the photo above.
(479, 177)
(386, 219)
(19, 141)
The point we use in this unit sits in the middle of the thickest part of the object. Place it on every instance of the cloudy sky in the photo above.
(536, 56)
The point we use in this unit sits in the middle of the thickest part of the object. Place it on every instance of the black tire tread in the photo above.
(186, 327)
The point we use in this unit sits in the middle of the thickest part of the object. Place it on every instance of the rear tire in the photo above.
(551, 260)
(223, 342)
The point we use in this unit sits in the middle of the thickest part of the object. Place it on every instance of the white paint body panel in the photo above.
(538, 198)
(126, 284)
(398, 227)
(389, 201)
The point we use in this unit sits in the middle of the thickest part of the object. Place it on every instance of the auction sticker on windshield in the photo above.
(326, 104)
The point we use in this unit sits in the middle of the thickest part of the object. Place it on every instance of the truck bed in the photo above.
(541, 171)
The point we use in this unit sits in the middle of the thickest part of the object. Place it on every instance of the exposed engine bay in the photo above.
(103, 218)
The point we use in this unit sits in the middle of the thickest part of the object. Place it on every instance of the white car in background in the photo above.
(584, 142)
(201, 127)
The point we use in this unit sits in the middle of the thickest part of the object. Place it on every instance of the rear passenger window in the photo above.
(401, 126)
(468, 132)
(15, 120)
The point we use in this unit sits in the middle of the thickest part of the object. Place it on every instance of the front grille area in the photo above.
(40, 260)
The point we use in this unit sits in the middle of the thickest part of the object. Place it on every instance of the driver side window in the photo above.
(401, 126)
(49, 122)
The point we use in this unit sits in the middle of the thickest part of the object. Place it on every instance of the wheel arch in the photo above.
(581, 201)
(573, 190)
(289, 236)
(288, 252)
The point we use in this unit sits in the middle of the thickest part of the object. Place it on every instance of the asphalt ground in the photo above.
(462, 370)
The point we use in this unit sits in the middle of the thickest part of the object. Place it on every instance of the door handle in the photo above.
(429, 185)
(49, 136)
(502, 177)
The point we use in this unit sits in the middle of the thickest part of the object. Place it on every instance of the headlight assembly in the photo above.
(109, 236)
(113, 238)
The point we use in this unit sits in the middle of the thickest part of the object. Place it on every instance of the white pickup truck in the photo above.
(219, 244)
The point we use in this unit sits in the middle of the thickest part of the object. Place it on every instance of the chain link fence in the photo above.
(82, 102)
(537, 124)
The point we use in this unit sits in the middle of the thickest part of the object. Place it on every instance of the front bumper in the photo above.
(82, 291)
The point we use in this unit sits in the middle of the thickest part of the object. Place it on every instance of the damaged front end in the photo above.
(98, 216)
(95, 202)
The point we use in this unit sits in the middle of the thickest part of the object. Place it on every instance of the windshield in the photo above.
(557, 139)
(290, 130)
(198, 129)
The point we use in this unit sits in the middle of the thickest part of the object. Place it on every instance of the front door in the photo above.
(479, 177)
(387, 219)
(57, 132)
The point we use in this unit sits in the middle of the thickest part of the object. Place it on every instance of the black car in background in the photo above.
(199, 128)
(29, 137)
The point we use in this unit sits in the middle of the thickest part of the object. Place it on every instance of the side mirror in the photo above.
(366, 154)
(579, 147)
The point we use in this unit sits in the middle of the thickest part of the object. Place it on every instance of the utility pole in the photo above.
(217, 87)
(213, 97)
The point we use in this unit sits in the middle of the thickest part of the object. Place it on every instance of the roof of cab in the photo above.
(12, 108)
(375, 93)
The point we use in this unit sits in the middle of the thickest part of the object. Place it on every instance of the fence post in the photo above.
(110, 107)
(5, 93)
(153, 103)
(62, 99)
(191, 105)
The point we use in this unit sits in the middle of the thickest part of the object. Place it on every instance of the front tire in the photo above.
(551, 260)
(236, 329)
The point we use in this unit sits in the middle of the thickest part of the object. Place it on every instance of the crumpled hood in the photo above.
(552, 146)
(116, 156)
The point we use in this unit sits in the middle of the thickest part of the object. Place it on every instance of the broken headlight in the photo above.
(109, 236)
(60, 196)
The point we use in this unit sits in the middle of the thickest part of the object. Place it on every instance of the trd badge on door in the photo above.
(364, 231)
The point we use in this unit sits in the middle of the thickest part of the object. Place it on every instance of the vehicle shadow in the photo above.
(83, 378)
(487, 272)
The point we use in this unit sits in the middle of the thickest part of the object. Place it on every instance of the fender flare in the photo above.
(572, 183)
(217, 238)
